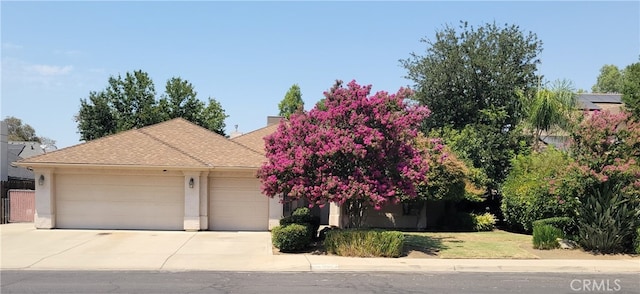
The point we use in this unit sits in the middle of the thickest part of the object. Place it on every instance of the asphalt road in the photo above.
(27, 281)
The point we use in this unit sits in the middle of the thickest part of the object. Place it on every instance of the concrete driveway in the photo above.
(24, 247)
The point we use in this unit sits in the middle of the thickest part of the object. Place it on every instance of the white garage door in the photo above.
(236, 204)
(119, 202)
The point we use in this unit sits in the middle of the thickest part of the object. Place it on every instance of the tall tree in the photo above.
(213, 116)
(17, 131)
(130, 102)
(95, 118)
(470, 79)
(631, 89)
(133, 100)
(358, 151)
(609, 80)
(292, 102)
(467, 71)
(180, 100)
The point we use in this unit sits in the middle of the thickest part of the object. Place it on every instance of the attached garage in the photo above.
(237, 204)
(104, 201)
(174, 175)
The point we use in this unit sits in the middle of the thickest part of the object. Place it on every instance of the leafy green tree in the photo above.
(180, 100)
(470, 79)
(631, 89)
(292, 102)
(95, 118)
(474, 69)
(527, 195)
(130, 102)
(551, 107)
(486, 148)
(213, 117)
(17, 131)
(609, 80)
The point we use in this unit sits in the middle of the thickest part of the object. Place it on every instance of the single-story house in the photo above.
(390, 216)
(174, 175)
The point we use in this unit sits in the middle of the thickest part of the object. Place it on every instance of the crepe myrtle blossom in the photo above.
(355, 147)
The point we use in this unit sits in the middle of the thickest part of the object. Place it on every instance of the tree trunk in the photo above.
(356, 212)
(421, 219)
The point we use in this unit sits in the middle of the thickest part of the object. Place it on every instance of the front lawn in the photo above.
(494, 244)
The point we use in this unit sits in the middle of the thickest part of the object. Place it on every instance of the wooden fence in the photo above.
(5, 205)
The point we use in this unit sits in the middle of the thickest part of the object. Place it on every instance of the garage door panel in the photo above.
(119, 202)
(237, 204)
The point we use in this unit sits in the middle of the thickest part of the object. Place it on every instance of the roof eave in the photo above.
(32, 165)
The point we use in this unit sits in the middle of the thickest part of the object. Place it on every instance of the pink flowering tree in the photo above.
(356, 149)
(605, 180)
(606, 146)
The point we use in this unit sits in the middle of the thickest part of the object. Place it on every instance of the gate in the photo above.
(22, 206)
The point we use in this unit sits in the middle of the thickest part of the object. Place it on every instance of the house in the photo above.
(600, 101)
(255, 141)
(174, 175)
(390, 216)
(18, 150)
(588, 103)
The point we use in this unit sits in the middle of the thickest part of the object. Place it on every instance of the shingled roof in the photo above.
(255, 140)
(173, 143)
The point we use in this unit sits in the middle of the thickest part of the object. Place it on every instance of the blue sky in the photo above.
(247, 54)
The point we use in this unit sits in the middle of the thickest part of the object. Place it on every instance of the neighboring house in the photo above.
(173, 175)
(602, 102)
(587, 102)
(18, 150)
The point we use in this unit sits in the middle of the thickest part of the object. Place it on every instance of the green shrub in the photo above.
(546, 237)
(565, 224)
(526, 192)
(607, 219)
(302, 216)
(364, 243)
(292, 237)
(302, 212)
(484, 222)
(636, 244)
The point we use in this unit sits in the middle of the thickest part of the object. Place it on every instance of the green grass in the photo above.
(495, 244)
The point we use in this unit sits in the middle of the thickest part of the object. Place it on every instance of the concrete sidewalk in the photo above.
(24, 247)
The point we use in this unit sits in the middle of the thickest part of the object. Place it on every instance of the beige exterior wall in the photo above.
(108, 199)
(45, 215)
(235, 202)
(104, 198)
(611, 107)
(390, 216)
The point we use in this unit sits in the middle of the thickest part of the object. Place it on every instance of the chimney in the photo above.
(235, 133)
(274, 120)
